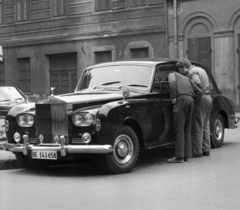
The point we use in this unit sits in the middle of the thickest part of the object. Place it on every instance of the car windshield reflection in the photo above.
(10, 94)
(136, 76)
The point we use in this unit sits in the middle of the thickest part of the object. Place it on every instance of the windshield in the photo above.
(10, 94)
(136, 76)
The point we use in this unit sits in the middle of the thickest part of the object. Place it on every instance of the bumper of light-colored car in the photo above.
(2, 128)
(64, 149)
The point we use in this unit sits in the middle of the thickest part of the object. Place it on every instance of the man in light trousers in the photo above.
(201, 143)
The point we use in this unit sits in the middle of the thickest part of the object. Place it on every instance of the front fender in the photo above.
(114, 114)
(11, 118)
(21, 108)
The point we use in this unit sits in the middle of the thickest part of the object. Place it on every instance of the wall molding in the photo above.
(198, 15)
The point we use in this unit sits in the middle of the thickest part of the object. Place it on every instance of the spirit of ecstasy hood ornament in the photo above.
(52, 89)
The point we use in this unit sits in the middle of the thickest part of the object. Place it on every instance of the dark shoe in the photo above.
(206, 153)
(175, 160)
(197, 155)
(187, 159)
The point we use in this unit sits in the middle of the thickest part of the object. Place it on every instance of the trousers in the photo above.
(201, 125)
(182, 111)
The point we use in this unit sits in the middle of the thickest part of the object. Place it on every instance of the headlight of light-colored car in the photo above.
(25, 120)
(83, 118)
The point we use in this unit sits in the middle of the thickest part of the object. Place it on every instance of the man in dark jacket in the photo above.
(182, 92)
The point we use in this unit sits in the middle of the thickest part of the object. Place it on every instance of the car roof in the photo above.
(7, 87)
(149, 61)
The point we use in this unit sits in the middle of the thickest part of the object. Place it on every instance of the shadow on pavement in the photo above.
(89, 167)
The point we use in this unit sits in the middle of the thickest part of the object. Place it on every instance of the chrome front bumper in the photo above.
(64, 149)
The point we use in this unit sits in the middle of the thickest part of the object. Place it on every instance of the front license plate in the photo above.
(52, 155)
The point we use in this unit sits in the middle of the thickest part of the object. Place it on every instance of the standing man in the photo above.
(182, 94)
(201, 143)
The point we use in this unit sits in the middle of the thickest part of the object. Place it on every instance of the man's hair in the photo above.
(183, 62)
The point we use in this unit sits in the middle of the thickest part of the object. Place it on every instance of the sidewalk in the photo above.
(8, 160)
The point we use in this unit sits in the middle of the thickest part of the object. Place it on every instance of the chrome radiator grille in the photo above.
(51, 120)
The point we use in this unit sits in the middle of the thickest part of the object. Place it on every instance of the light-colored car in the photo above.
(9, 97)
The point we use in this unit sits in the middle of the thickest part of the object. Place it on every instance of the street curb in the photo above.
(9, 164)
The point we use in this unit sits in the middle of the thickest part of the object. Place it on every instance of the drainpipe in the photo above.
(175, 23)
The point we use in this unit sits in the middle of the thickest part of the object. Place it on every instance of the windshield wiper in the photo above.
(136, 85)
(107, 83)
(5, 100)
(18, 99)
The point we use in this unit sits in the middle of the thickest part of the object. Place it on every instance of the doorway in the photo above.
(199, 50)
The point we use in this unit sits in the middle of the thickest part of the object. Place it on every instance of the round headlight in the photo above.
(88, 119)
(21, 120)
(25, 120)
(30, 120)
(78, 119)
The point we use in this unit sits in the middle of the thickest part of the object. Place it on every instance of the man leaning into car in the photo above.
(182, 93)
(201, 115)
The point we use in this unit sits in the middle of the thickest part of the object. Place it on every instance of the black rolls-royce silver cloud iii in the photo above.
(117, 110)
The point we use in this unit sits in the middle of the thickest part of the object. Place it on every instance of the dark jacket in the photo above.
(181, 85)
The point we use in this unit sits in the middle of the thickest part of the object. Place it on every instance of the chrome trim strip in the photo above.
(72, 149)
(25, 144)
(77, 140)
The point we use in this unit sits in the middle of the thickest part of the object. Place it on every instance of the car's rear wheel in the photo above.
(217, 136)
(125, 151)
(28, 163)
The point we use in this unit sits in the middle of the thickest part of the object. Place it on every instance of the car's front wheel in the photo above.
(28, 163)
(217, 136)
(125, 151)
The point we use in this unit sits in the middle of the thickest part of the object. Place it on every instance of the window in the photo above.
(59, 7)
(63, 72)
(139, 53)
(2, 74)
(118, 4)
(24, 74)
(160, 82)
(103, 56)
(102, 5)
(138, 2)
(22, 10)
(1, 12)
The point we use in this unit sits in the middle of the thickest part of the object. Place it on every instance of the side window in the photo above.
(160, 82)
(156, 82)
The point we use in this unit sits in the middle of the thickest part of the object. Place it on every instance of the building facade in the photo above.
(208, 31)
(49, 42)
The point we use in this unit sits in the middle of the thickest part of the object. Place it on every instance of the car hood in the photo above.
(89, 96)
(85, 97)
(5, 106)
(9, 104)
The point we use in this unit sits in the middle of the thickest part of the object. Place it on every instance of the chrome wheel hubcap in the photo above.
(218, 130)
(123, 149)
